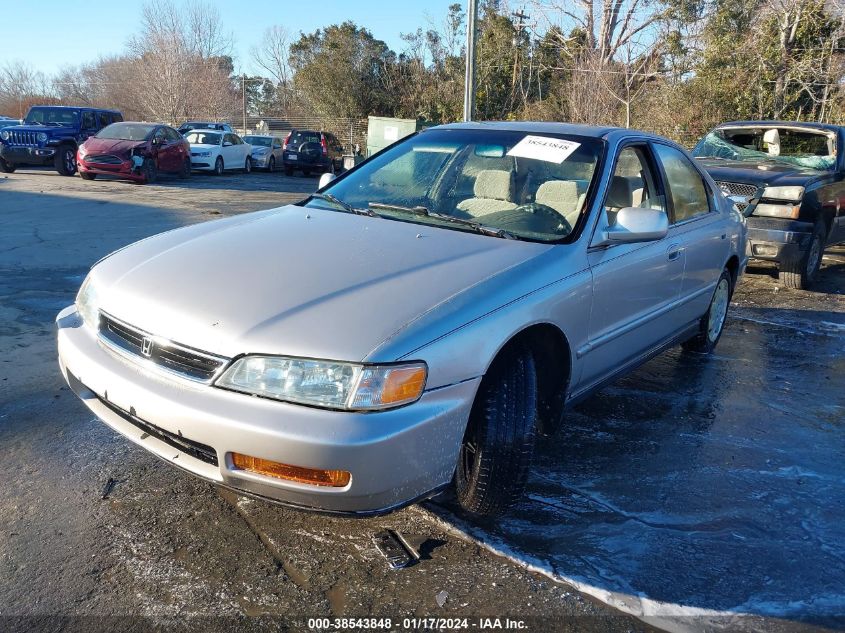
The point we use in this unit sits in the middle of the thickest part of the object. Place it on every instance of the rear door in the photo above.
(635, 286)
(698, 226)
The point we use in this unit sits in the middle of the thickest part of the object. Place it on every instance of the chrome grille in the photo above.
(739, 192)
(102, 159)
(23, 137)
(166, 355)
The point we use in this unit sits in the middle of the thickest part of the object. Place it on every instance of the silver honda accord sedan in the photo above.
(417, 323)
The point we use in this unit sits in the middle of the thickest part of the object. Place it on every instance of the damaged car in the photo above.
(418, 322)
(134, 151)
(787, 178)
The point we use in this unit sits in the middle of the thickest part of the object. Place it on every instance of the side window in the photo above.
(685, 186)
(227, 138)
(159, 135)
(88, 120)
(633, 184)
(171, 134)
(105, 119)
(117, 117)
(277, 143)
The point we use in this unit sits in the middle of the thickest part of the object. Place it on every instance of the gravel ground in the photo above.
(690, 490)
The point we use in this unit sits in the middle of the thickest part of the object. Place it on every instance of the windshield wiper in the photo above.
(343, 205)
(425, 212)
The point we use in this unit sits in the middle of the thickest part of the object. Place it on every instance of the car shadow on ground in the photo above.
(699, 483)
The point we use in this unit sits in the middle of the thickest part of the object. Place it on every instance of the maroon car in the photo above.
(136, 151)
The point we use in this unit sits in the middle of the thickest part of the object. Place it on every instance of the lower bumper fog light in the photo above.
(315, 477)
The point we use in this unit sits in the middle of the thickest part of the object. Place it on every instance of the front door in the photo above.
(635, 286)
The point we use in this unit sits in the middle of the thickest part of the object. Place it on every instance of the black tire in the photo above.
(306, 173)
(219, 167)
(712, 324)
(248, 165)
(800, 274)
(150, 171)
(65, 160)
(288, 171)
(185, 172)
(6, 167)
(86, 175)
(271, 166)
(499, 440)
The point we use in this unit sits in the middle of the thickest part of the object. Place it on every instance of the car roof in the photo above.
(545, 127)
(65, 107)
(206, 129)
(818, 126)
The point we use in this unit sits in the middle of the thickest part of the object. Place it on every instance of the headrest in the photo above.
(494, 183)
(556, 193)
(620, 194)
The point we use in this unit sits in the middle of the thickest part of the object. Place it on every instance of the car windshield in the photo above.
(258, 141)
(505, 183)
(203, 138)
(801, 147)
(51, 116)
(127, 131)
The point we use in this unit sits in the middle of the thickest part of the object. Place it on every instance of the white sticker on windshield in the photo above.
(551, 150)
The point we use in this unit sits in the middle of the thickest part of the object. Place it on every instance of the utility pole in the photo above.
(243, 89)
(469, 81)
(520, 17)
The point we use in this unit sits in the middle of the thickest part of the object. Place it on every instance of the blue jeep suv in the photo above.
(50, 135)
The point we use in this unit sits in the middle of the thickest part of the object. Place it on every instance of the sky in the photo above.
(82, 31)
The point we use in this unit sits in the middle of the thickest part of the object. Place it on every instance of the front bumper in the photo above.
(395, 457)
(260, 162)
(778, 240)
(124, 170)
(29, 155)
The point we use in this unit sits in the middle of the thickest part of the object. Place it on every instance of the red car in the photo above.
(135, 151)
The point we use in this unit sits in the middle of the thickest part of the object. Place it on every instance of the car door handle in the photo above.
(674, 254)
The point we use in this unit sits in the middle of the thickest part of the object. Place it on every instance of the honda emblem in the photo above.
(147, 347)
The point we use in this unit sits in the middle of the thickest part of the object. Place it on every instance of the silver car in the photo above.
(266, 150)
(416, 323)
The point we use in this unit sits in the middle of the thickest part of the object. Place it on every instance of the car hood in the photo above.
(111, 146)
(49, 129)
(297, 281)
(760, 174)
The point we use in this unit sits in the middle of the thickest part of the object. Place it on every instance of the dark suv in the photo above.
(50, 135)
(311, 151)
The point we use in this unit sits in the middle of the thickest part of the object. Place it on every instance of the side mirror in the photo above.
(325, 179)
(634, 224)
(227, 144)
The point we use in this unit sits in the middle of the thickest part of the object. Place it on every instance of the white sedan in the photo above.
(214, 150)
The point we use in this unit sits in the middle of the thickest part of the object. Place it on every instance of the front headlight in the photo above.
(42, 136)
(87, 303)
(260, 151)
(783, 193)
(328, 384)
(4, 135)
(203, 153)
(777, 210)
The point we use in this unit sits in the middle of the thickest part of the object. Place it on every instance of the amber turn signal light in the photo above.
(313, 476)
(403, 385)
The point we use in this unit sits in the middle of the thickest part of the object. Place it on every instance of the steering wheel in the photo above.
(550, 214)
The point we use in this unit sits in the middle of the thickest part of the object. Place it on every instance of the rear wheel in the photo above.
(800, 273)
(87, 175)
(65, 160)
(288, 171)
(185, 172)
(218, 166)
(713, 322)
(6, 167)
(499, 440)
(271, 166)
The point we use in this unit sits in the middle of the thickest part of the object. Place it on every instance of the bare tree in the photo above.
(21, 86)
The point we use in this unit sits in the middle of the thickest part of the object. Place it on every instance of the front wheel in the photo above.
(248, 165)
(87, 175)
(799, 274)
(149, 170)
(218, 166)
(6, 167)
(498, 443)
(713, 322)
(66, 160)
